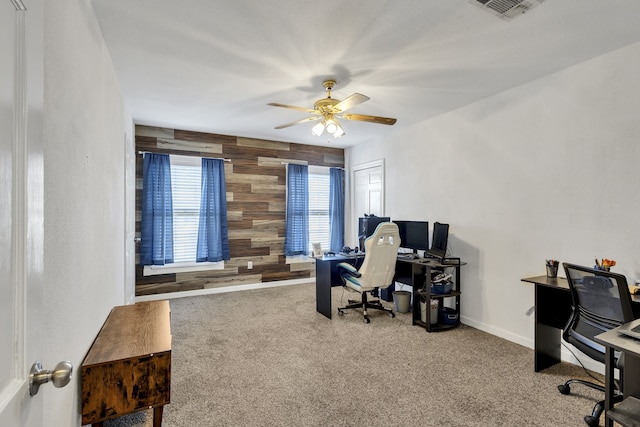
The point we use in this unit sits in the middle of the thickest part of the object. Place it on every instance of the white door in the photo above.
(368, 182)
(21, 222)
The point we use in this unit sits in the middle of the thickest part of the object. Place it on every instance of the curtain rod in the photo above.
(215, 158)
(306, 164)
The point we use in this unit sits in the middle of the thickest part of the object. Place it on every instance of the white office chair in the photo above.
(377, 270)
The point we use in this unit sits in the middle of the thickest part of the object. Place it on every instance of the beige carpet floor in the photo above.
(267, 358)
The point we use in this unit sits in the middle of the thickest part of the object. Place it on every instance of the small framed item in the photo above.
(317, 250)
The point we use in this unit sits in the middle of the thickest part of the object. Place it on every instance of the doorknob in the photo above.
(60, 376)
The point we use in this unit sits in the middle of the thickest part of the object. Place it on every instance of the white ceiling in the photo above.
(213, 65)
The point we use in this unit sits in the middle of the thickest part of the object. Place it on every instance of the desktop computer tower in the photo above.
(387, 294)
(366, 226)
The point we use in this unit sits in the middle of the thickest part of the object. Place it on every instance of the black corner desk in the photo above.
(409, 271)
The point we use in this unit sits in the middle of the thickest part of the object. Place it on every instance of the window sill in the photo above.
(297, 259)
(181, 267)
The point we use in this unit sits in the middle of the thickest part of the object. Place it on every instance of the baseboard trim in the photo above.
(565, 354)
(225, 289)
(518, 339)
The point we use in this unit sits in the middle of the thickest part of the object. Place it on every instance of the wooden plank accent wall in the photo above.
(256, 197)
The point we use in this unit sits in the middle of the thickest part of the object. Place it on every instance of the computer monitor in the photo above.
(367, 225)
(439, 240)
(414, 234)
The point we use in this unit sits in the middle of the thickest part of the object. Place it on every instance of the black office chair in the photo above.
(601, 301)
(377, 270)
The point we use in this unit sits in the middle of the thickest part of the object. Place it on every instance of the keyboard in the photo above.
(349, 255)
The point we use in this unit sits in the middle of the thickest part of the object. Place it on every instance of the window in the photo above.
(186, 193)
(315, 210)
(319, 218)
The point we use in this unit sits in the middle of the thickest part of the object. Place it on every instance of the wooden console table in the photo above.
(128, 367)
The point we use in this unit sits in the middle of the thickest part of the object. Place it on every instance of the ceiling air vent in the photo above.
(507, 9)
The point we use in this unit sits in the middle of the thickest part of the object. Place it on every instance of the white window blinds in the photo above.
(185, 185)
(319, 230)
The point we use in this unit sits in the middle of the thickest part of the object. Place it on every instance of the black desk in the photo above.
(327, 276)
(614, 341)
(552, 312)
(408, 270)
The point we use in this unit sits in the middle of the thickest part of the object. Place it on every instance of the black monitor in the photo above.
(414, 234)
(367, 225)
(439, 240)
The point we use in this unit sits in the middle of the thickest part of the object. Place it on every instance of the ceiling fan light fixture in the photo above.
(332, 126)
(339, 132)
(318, 129)
(328, 110)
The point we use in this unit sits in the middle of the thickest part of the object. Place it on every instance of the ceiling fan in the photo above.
(328, 110)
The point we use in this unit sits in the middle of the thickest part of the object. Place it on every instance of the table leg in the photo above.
(157, 416)
(552, 311)
(609, 387)
(547, 347)
(323, 287)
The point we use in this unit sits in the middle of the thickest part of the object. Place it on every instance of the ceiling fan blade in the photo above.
(371, 119)
(293, 107)
(351, 101)
(297, 122)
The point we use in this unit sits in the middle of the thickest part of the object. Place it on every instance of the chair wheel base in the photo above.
(564, 389)
(365, 305)
(591, 421)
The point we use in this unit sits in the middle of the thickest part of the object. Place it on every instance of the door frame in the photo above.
(353, 215)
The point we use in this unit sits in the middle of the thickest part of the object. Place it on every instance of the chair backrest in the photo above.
(381, 253)
(601, 301)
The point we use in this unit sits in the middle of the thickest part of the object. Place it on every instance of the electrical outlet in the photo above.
(250, 265)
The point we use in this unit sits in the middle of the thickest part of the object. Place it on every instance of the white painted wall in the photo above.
(549, 169)
(84, 134)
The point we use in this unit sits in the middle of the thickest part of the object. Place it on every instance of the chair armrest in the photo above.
(346, 269)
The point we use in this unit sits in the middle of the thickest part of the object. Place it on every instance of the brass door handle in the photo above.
(60, 376)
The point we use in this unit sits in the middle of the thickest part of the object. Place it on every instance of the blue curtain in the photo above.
(336, 208)
(213, 240)
(296, 238)
(156, 247)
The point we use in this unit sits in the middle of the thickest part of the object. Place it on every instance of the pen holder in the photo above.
(552, 271)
